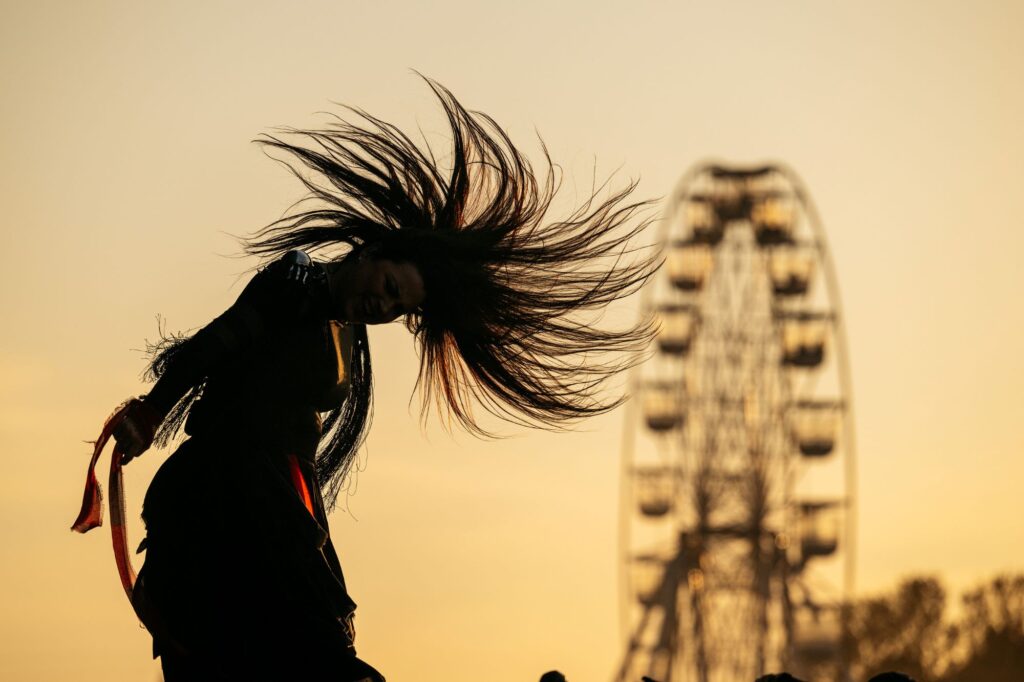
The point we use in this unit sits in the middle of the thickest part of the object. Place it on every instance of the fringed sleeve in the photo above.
(284, 290)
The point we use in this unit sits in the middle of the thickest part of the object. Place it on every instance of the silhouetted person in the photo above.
(778, 677)
(241, 580)
(552, 676)
(892, 676)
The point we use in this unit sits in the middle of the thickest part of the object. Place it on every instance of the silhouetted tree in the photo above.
(990, 634)
(907, 631)
(904, 631)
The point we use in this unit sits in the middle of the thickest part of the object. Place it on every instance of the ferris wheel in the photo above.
(737, 509)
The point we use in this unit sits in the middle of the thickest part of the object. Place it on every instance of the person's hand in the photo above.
(135, 433)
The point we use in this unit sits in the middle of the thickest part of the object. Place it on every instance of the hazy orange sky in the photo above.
(127, 166)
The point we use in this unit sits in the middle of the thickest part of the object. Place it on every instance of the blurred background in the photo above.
(127, 167)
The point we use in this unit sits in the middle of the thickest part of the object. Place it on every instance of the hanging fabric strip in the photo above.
(91, 514)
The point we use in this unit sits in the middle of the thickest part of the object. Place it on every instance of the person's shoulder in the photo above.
(294, 266)
(294, 269)
(293, 281)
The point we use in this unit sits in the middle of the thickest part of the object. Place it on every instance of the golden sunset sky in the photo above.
(127, 166)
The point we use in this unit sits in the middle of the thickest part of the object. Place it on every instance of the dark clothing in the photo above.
(241, 573)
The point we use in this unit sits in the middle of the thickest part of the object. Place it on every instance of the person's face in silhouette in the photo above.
(371, 290)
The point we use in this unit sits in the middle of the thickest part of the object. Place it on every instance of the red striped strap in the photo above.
(91, 514)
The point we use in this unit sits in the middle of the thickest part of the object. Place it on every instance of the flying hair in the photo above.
(505, 290)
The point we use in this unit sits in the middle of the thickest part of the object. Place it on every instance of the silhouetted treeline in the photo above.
(911, 630)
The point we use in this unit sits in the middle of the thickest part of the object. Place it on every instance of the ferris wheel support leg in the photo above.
(633, 648)
(696, 608)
